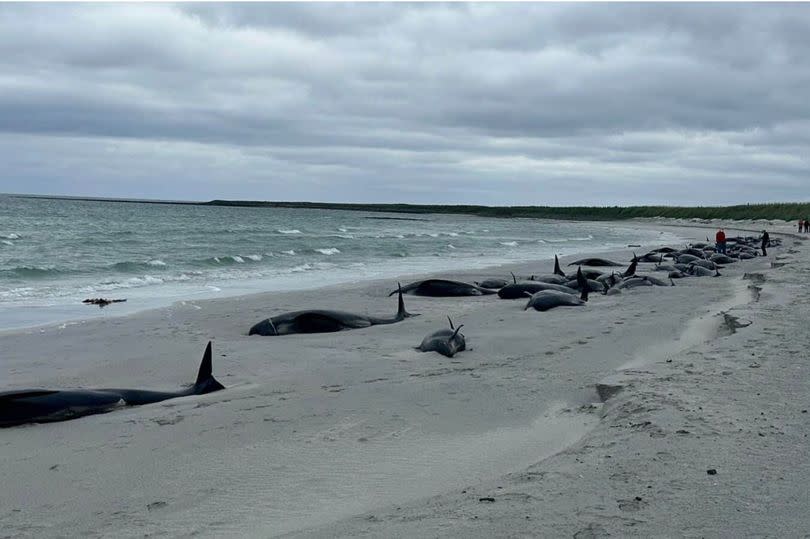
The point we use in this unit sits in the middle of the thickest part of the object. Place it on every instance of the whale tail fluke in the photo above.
(451, 323)
(402, 314)
(453, 336)
(206, 383)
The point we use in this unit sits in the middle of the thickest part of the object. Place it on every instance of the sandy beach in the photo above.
(357, 434)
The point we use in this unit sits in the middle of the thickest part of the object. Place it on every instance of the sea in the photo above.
(54, 253)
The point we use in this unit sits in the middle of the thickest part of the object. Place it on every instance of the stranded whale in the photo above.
(49, 405)
(323, 321)
(442, 288)
(445, 341)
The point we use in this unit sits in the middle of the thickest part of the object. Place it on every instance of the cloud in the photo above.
(442, 103)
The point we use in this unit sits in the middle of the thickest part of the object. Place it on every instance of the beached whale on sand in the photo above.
(447, 342)
(594, 262)
(48, 405)
(442, 288)
(492, 284)
(548, 299)
(323, 321)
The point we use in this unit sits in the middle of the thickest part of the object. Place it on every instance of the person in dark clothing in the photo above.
(766, 242)
(806, 225)
(801, 225)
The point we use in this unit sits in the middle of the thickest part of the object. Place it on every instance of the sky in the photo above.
(484, 103)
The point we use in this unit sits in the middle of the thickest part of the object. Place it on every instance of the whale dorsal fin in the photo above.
(583, 284)
(514, 279)
(205, 371)
(557, 270)
(206, 383)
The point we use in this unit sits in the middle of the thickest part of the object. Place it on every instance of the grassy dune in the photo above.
(787, 211)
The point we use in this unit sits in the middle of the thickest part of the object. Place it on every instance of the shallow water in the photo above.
(54, 253)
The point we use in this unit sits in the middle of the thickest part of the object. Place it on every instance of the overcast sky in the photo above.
(425, 103)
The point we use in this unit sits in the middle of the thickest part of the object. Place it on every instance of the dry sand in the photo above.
(356, 433)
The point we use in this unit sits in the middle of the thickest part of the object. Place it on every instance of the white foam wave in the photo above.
(11, 236)
(7, 242)
(156, 262)
(290, 252)
(451, 246)
(255, 258)
(291, 231)
(341, 229)
(302, 267)
(509, 243)
(238, 259)
(330, 251)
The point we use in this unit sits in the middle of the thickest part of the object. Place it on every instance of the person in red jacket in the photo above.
(720, 241)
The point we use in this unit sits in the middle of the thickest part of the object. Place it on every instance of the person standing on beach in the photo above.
(802, 226)
(720, 241)
(806, 225)
(766, 242)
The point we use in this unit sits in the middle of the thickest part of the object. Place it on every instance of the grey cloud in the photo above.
(486, 103)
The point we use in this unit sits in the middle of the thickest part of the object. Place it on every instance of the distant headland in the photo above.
(777, 210)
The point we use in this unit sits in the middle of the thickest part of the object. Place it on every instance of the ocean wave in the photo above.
(291, 231)
(344, 236)
(20, 292)
(341, 229)
(131, 267)
(329, 251)
(6, 242)
(509, 243)
(290, 252)
(230, 260)
(451, 246)
(34, 272)
(11, 236)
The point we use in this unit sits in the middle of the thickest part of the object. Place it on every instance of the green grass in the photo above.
(787, 211)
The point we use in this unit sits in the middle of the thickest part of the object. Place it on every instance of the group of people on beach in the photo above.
(720, 238)
(804, 225)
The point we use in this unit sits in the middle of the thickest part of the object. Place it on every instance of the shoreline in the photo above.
(316, 429)
(242, 289)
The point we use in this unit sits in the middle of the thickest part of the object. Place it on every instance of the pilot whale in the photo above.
(323, 321)
(48, 405)
(447, 342)
(443, 288)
